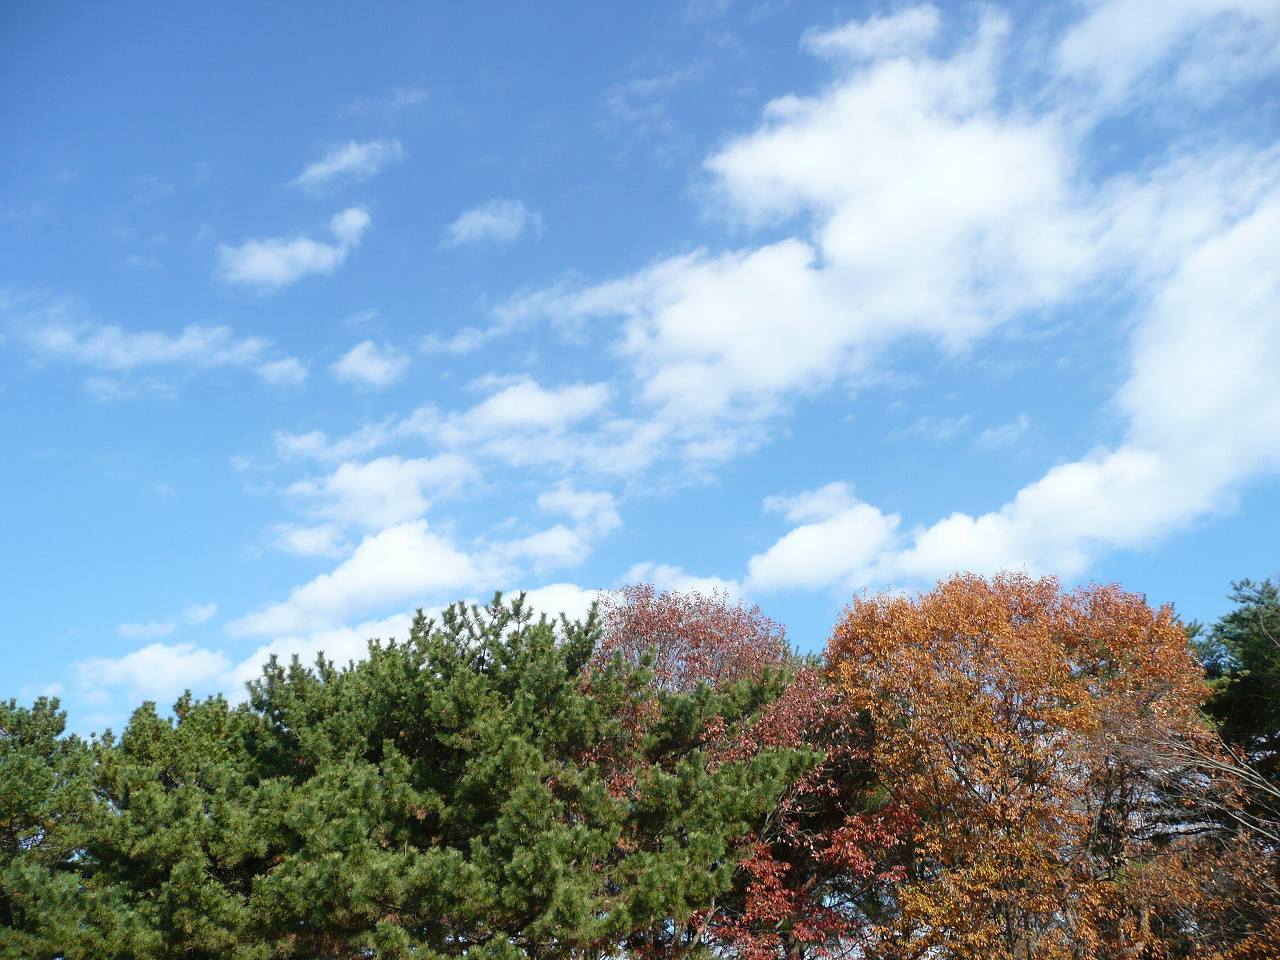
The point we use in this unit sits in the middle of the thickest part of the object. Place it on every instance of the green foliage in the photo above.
(1243, 657)
(449, 794)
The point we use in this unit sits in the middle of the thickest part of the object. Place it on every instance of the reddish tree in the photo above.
(693, 637)
(816, 863)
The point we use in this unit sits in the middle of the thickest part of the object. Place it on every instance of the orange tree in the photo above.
(1028, 730)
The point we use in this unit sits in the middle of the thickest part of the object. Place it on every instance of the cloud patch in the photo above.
(496, 222)
(350, 162)
(370, 366)
(273, 263)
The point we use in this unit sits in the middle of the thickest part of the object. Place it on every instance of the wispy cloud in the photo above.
(397, 101)
(640, 108)
(287, 371)
(148, 630)
(128, 360)
(498, 222)
(1004, 435)
(350, 162)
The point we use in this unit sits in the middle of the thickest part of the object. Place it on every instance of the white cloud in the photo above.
(667, 577)
(369, 365)
(194, 614)
(54, 333)
(349, 225)
(110, 389)
(390, 106)
(198, 613)
(162, 671)
(380, 492)
(640, 109)
(147, 630)
(350, 162)
(916, 198)
(287, 371)
(594, 513)
(934, 200)
(315, 540)
(934, 428)
(277, 262)
(316, 445)
(519, 421)
(841, 541)
(1005, 434)
(592, 509)
(905, 33)
(338, 644)
(1217, 42)
(498, 221)
(1204, 416)
(556, 546)
(464, 341)
(109, 347)
(525, 403)
(557, 598)
(155, 672)
(399, 564)
(820, 504)
(931, 211)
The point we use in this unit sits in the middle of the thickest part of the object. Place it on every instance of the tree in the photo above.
(1024, 726)
(1242, 657)
(50, 904)
(441, 797)
(809, 872)
(1242, 660)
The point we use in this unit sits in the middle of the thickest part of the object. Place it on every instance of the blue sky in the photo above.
(309, 316)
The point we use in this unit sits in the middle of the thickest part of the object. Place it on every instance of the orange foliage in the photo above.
(1026, 728)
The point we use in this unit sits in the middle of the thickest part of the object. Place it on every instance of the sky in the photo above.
(313, 314)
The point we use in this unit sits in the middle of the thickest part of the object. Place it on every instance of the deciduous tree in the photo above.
(1023, 726)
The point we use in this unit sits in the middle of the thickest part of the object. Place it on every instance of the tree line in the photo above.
(997, 768)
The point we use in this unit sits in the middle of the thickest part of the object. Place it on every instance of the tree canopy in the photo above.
(996, 768)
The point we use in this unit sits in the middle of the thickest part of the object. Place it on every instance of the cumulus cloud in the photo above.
(371, 366)
(932, 212)
(157, 671)
(276, 262)
(398, 564)
(498, 222)
(930, 199)
(309, 540)
(840, 539)
(594, 515)
(380, 492)
(1178, 463)
(915, 198)
(350, 162)
(519, 421)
